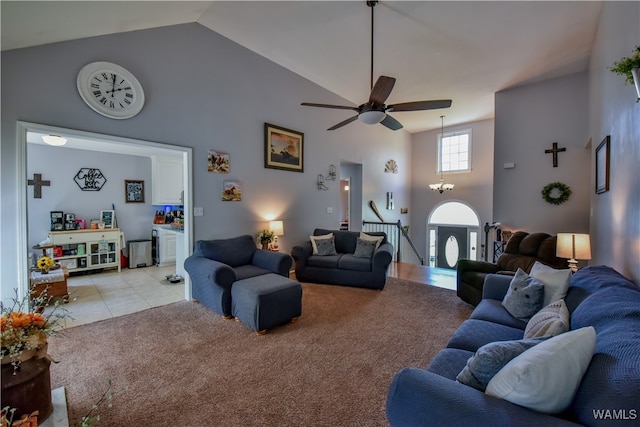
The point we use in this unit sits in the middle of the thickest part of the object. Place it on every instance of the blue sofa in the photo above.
(216, 264)
(608, 394)
(343, 268)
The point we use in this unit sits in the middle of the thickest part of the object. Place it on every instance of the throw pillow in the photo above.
(365, 248)
(314, 239)
(552, 320)
(546, 377)
(556, 282)
(326, 246)
(524, 296)
(377, 239)
(490, 358)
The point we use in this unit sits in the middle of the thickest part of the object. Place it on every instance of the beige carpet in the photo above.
(182, 365)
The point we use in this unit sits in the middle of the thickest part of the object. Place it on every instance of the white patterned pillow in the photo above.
(556, 282)
(552, 320)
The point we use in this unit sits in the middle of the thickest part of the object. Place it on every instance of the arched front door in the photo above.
(452, 230)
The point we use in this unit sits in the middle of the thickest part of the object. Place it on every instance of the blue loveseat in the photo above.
(607, 395)
(216, 264)
(343, 268)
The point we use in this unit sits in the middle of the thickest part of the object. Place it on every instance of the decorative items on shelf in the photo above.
(573, 246)
(629, 68)
(556, 193)
(441, 187)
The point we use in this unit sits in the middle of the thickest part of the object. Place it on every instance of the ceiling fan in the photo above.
(375, 111)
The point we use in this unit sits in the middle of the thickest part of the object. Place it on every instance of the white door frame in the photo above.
(148, 146)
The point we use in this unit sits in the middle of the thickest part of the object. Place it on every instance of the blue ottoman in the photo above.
(265, 301)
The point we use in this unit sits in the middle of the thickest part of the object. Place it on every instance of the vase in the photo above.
(636, 79)
(28, 387)
(265, 245)
(44, 270)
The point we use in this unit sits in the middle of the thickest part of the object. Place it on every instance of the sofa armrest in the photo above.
(496, 286)
(465, 265)
(276, 262)
(204, 270)
(301, 253)
(421, 398)
(383, 255)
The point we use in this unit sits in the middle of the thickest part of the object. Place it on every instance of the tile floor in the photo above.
(99, 296)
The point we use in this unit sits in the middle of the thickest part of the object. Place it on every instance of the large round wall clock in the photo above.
(110, 90)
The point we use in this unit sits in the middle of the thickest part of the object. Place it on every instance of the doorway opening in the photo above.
(103, 143)
(452, 234)
(351, 199)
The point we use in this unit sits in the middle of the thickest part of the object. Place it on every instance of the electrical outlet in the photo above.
(329, 209)
(198, 211)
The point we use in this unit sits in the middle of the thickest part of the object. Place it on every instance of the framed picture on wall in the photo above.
(133, 191)
(602, 165)
(283, 148)
(108, 217)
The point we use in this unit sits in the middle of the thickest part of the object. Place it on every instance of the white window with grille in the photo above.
(454, 151)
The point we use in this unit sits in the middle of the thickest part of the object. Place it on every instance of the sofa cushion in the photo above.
(545, 377)
(449, 362)
(324, 241)
(233, 252)
(371, 238)
(524, 297)
(473, 334)
(493, 311)
(556, 282)
(246, 271)
(490, 358)
(365, 248)
(552, 320)
(354, 263)
(328, 261)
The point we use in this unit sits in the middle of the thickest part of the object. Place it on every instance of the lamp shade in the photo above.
(276, 227)
(573, 246)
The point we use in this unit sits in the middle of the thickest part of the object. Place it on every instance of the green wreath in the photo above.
(564, 190)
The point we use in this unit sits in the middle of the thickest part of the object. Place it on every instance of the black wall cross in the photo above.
(38, 183)
(555, 150)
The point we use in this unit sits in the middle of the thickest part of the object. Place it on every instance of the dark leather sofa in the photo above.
(521, 251)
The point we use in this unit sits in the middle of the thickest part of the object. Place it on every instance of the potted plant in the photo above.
(25, 362)
(265, 237)
(629, 67)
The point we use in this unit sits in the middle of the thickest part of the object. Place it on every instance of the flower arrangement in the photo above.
(24, 329)
(265, 236)
(45, 263)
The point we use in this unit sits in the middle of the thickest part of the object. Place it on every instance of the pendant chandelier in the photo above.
(441, 187)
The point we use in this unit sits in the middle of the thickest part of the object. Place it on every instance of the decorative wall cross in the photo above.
(38, 183)
(555, 150)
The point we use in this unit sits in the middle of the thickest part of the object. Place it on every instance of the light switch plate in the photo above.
(198, 211)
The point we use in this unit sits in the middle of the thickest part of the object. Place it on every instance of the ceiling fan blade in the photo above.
(391, 123)
(339, 107)
(420, 105)
(344, 122)
(381, 90)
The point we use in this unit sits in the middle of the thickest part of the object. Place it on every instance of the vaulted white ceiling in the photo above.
(464, 51)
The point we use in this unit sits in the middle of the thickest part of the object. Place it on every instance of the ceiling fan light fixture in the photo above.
(55, 140)
(372, 117)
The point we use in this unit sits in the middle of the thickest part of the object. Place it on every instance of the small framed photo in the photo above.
(108, 217)
(133, 191)
(231, 191)
(283, 148)
(218, 162)
(602, 165)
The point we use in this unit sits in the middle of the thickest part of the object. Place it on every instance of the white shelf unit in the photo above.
(83, 250)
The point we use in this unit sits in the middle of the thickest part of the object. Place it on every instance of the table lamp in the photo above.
(574, 247)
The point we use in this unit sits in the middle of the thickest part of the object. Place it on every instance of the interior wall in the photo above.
(615, 220)
(473, 188)
(528, 120)
(63, 194)
(205, 92)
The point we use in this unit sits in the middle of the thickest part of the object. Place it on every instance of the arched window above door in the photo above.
(454, 213)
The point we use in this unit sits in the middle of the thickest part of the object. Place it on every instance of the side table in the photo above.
(54, 283)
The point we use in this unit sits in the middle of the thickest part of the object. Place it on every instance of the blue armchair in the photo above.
(216, 264)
